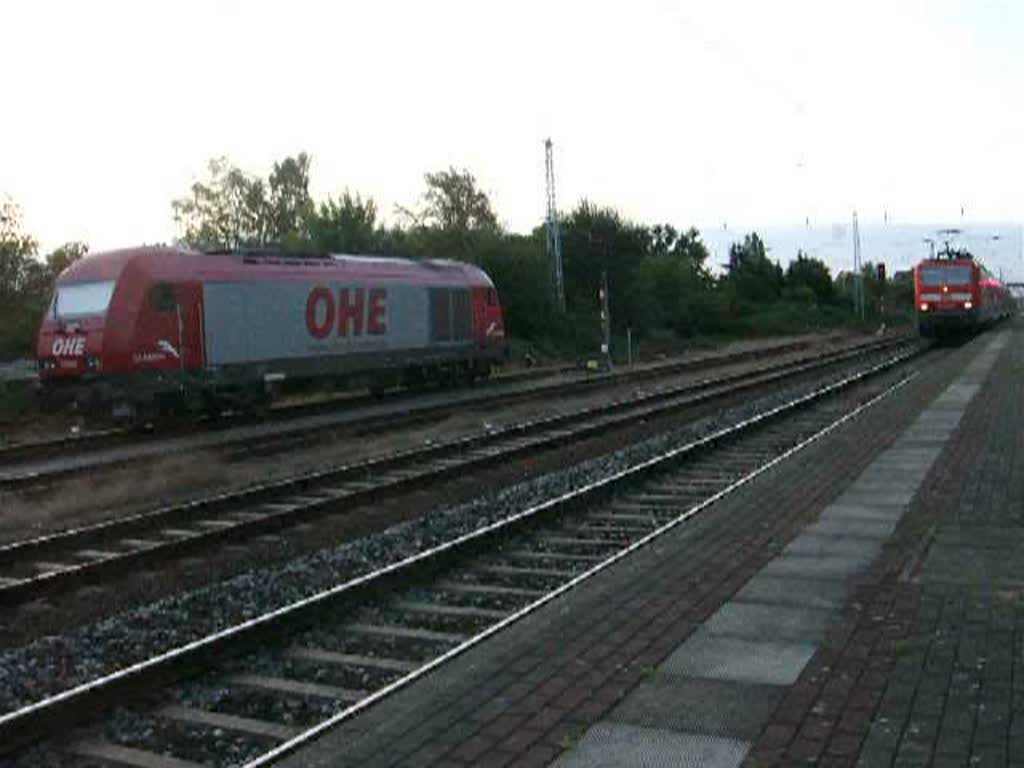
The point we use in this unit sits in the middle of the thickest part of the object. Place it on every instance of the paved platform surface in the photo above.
(762, 633)
(927, 666)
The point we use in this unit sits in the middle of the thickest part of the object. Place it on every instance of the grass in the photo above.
(578, 335)
(571, 737)
(902, 648)
(17, 398)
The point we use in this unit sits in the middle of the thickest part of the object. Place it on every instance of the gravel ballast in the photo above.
(55, 663)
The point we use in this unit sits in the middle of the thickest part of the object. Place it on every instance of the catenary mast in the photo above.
(858, 276)
(554, 237)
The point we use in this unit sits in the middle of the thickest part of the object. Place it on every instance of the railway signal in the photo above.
(606, 322)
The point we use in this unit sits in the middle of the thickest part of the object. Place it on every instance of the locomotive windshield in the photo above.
(81, 299)
(945, 275)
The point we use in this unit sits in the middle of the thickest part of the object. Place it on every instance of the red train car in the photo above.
(954, 294)
(156, 328)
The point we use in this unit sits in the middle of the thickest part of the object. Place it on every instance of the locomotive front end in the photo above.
(947, 297)
(70, 342)
(76, 328)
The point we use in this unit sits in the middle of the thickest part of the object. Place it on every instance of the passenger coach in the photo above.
(149, 330)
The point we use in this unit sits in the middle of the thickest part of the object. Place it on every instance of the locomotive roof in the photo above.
(947, 262)
(167, 263)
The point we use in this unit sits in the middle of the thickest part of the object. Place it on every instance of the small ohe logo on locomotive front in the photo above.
(352, 312)
(69, 346)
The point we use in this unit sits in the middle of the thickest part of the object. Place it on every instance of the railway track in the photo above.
(28, 466)
(53, 564)
(261, 689)
(13, 454)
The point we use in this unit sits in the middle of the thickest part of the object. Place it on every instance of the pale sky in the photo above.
(751, 113)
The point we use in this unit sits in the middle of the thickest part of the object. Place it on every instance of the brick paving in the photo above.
(527, 695)
(927, 666)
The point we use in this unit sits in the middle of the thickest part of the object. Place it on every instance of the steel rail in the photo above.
(36, 720)
(75, 446)
(560, 429)
(312, 734)
(13, 454)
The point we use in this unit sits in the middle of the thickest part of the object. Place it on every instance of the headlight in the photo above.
(968, 304)
(924, 306)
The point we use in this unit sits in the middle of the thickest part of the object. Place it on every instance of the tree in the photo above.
(63, 256)
(26, 283)
(453, 204)
(229, 210)
(453, 218)
(347, 224)
(289, 206)
(753, 277)
(233, 209)
(597, 240)
(665, 240)
(873, 289)
(521, 271)
(17, 251)
(674, 295)
(810, 277)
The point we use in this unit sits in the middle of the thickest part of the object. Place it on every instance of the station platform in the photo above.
(861, 604)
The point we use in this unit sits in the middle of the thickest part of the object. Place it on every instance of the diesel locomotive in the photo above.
(149, 330)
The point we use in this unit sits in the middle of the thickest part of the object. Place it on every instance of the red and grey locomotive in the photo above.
(155, 329)
(955, 294)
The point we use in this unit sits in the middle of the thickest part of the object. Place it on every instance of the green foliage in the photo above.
(891, 302)
(660, 285)
(26, 283)
(454, 203)
(598, 241)
(63, 256)
(17, 250)
(16, 399)
(809, 280)
(676, 294)
(753, 276)
(347, 224)
(233, 209)
(226, 211)
(453, 221)
(288, 205)
(658, 276)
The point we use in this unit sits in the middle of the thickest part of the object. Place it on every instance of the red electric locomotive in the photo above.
(954, 294)
(157, 329)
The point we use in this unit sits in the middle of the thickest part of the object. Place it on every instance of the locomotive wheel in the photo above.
(414, 379)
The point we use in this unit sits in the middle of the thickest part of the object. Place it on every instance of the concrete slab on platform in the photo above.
(616, 745)
(814, 545)
(822, 566)
(786, 590)
(771, 662)
(753, 621)
(853, 528)
(697, 705)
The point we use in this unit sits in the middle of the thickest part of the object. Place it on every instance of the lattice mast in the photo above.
(554, 237)
(858, 275)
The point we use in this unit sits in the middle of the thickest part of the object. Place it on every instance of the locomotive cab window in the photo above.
(945, 275)
(73, 300)
(161, 298)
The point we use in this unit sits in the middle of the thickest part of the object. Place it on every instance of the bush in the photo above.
(17, 398)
